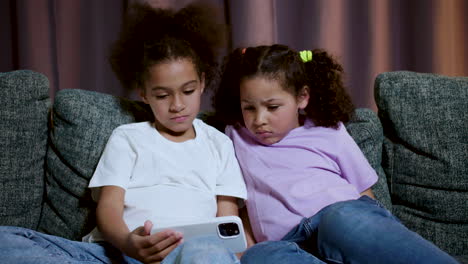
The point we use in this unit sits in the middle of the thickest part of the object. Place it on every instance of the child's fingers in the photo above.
(139, 231)
(159, 254)
(170, 242)
(148, 226)
(156, 238)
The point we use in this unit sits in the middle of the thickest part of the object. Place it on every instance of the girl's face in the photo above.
(173, 91)
(269, 111)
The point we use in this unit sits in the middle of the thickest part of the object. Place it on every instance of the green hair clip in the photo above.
(306, 55)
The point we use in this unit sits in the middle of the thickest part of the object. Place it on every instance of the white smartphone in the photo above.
(227, 229)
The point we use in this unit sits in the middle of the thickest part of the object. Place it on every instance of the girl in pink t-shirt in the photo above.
(308, 183)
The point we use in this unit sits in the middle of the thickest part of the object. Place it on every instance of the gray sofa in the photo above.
(418, 144)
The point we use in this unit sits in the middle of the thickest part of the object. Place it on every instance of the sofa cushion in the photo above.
(425, 153)
(82, 123)
(366, 130)
(24, 107)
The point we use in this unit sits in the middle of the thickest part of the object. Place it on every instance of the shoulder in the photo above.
(134, 126)
(210, 133)
(133, 129)
(340, 139)
(342, 134)
(330, 136)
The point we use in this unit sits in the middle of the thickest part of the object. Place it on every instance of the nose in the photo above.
(260, 118)
(177, 104)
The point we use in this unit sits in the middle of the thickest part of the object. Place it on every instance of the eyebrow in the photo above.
(166, 88)
(266, 101)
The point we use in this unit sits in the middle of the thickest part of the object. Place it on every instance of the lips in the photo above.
(263, 133)
(180, 119)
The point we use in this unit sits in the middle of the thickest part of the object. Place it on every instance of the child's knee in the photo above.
(351, 220)
(341, 218)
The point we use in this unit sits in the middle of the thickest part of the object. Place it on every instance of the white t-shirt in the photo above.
(167, 182)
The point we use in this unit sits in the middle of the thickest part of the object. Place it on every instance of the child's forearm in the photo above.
(369, 193)
(247, 227)
(109, 213)
(112, 227)
(227, 205)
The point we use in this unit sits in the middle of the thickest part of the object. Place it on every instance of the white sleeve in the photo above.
(115, 165)
(230, 181)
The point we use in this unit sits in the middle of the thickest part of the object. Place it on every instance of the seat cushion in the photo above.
(24, 107)
(82, 123)
(425, 156)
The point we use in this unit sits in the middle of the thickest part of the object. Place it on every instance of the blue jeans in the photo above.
(201, 250)
(356, 231)
(24, 246)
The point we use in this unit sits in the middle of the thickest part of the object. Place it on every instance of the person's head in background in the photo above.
(169, 57)
(265, 89)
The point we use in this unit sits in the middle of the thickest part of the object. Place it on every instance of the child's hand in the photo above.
(148, 248)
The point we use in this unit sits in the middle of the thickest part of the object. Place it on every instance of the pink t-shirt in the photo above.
(310, 168)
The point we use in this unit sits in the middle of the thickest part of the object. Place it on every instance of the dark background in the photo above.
(68, 40)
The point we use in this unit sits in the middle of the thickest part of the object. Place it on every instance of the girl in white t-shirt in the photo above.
(176, 169)
(173, 170)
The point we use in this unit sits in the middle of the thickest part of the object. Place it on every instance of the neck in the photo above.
(175, 136)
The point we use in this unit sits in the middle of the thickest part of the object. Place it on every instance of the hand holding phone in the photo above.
(227, 229)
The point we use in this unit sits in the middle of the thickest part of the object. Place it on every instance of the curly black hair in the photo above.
(329, 102)
(153, 35)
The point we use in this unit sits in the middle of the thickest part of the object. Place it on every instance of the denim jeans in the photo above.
(201, 250)
(356, 231)
(24, 246)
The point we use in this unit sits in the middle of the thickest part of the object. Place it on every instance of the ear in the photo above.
(303, 97)
(202, 82)
(143, 95)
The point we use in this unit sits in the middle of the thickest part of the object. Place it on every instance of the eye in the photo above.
(161, 96)
(273, 107)
(188, 92)
(248, 108)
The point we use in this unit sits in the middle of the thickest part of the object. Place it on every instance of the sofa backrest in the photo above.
(24, 106)
(82, 123)
(425, 155)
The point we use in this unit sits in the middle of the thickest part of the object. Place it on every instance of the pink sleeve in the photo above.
(353, 164)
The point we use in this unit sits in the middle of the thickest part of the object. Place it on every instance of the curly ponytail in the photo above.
(329, 102)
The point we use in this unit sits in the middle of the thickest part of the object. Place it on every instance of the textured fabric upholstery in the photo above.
(24, 104)
(366, 130)
(82, 123)
(425, 155)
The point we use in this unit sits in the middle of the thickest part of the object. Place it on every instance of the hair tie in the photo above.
(306, 55)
